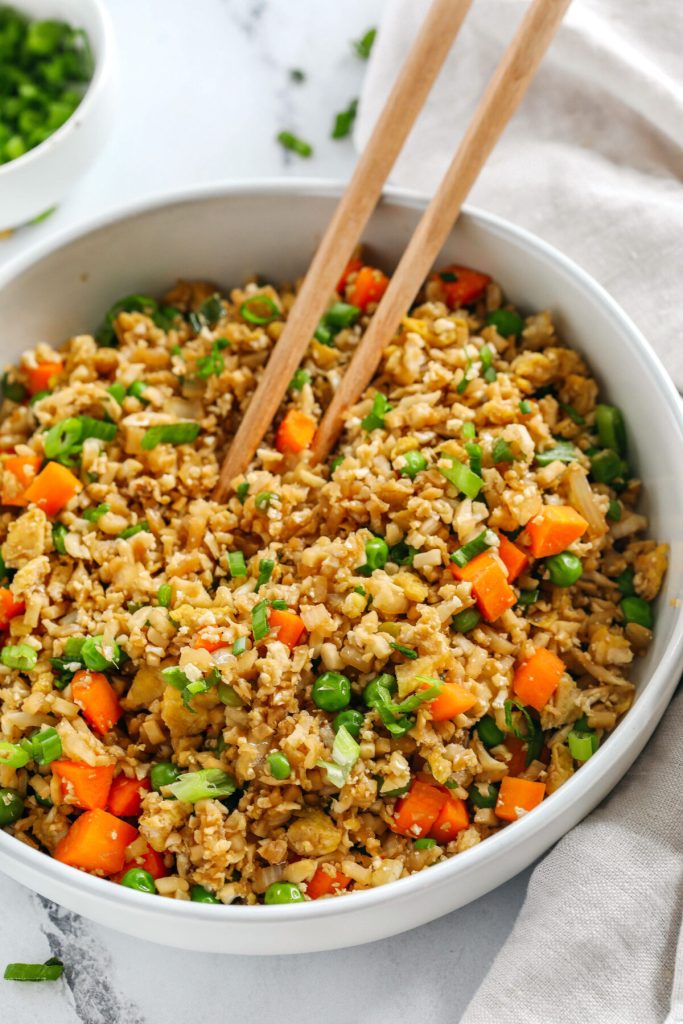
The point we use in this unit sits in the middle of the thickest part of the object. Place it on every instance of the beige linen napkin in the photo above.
(592, 162)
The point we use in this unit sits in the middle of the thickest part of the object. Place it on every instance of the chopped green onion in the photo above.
(488, 732)
(241, 491)
(38, 397)
(528, 597)
(482, 542)
(12, 389)
(475, 453)
(64, 441)
(401, 554)
(345, 753)
(561, 451)
(363, 46)
(137, 390)
(343, 121)
(46, 746)
(324, 335)
(106, 336)
(166, 317)
(575, 416)
(213, 364)
(502, 452)
(625, 582)
(164, 595)
(130, 531)
(209, 783)
(607, 466)
(487, 798)
(341, 315)
(336, 463)
(611, 428)
(525, 407)
(169, 433)
(465, 621)
(239, 646)
(290, 141)
(462, 478)
(212, 309)
(425, 843)
(259, 621)
(532, 735)
(279, 765)
(614, 510)
(117, 391)
(375, 419)
(228, 695)
(13, 756)
(407, 652)
(264, 498)
(96, 659)
(51, 970)
(300, 378)
(236, 564)
(59, 532)
(19, 656)
(469, 431)
(634, 609)
(281, 605)
(414, 462)
(486, 356)
(582, 743)
(265, 571)
(506, 322)
(93, 514)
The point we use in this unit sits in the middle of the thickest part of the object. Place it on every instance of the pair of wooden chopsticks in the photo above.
(500, 100)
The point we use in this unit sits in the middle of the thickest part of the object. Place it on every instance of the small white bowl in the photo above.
(37, 181)
(224, 234)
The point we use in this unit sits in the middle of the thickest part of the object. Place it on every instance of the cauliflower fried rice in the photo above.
(347, 672)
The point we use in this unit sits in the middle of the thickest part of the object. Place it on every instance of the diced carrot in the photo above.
(9, 607)
(452, 819)
(42, 377)
(289, 625)
(149, 860)
(125, 796)
(417, 811)
(295, 432)
(517, 795)
(453, 700)
(518, 748)
(210, 640)
(352, 267)
(87, 785)
(322, 884)
(513, 558)
(537, 678)
(554, 529)
(54, 486)
(369, 286)
(96, 841)
(93, 692)
(22, 470)
(467, 287)
(489, 584)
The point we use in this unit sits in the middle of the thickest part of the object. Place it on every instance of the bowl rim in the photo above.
(615, 750)
(101, 75)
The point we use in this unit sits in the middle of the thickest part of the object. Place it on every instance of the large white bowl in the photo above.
(42, 177)
(225, 234)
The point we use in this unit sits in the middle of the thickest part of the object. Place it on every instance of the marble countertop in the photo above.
(204, 90)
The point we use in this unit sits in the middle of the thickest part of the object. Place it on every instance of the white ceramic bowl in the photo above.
(226, 233)
(42, 177)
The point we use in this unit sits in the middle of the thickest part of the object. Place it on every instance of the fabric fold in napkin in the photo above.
(592, 163)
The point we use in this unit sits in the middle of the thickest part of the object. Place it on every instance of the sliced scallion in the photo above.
(265, 571)
(482, 542)
(209, 783)
(462, 478)
(236, 564)
(259, 621)
(169, 433)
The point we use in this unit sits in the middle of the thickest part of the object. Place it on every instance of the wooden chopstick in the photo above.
(344, 232)
(500, 100)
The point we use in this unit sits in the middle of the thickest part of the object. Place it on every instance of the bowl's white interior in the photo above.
(271, 230)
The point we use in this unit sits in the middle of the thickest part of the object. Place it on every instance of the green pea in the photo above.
(94, 657)
(488, 732)
(379, 689)
(163, 774)
(11, 807)
(376, 553)
(465, 621)
(506, 322)
(635, 609)
(352, 720)
(139, 879)
(198, 894)
(279, 765)
(414, 463)
(331, 691)
(488, 798)
(283, 892)
(564, 569)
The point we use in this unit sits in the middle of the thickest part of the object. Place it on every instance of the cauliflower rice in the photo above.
(140, 558)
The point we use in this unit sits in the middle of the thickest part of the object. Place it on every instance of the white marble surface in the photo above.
(204, 90)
